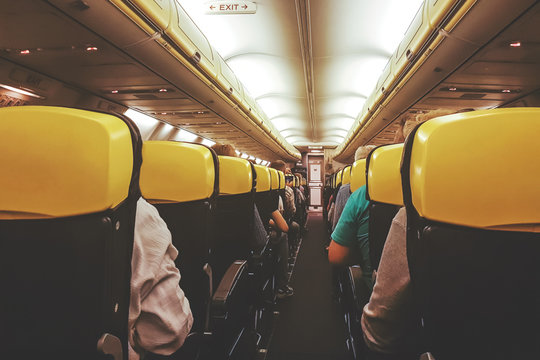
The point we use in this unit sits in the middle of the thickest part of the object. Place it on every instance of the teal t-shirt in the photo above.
(352, 229)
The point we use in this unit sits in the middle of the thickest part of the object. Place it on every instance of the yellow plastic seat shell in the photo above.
(479, 169)
(281, 179)
(264, 180)
(274, 177)
(346, 175)
(176, 172)
(338, 177)
(358, 174)
(235, 176)
(57, 162)
(383, 175)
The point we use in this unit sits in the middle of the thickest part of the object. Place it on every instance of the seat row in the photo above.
(70, 184)
(469, 185)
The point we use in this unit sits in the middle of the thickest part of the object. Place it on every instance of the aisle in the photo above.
(310, 326)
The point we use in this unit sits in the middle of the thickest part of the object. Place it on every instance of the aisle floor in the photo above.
(310, 325)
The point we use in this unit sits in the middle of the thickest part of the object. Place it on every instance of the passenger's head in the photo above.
(408, 123)
(289, 180)
(224, 149)
(278, 165)
(363, 151)
(288, 171)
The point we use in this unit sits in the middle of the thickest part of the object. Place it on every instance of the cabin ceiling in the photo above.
(309, 64)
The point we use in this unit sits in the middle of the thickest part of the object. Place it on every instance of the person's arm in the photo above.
(159, 316)
(340, 255)
(279, 221)
(389, 323)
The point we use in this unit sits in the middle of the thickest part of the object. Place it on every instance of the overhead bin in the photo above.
(424, 28)
(192, 41)
(166, 23)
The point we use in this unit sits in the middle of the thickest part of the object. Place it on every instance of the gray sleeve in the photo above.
(387, 321)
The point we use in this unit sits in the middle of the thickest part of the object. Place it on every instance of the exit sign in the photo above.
(230, 7)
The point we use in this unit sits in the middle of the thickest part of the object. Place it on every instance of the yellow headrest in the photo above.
(304, 182)
(479, 169)
(297, 182)
(338, 177)
(176, 172)
(281, 179)
(57, 162)
(383, 176)
(358, 174)
(274, 176)
(235, 176)
(346, 175)
(263, 178)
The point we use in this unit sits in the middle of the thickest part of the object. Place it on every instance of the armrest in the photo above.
(226, 288)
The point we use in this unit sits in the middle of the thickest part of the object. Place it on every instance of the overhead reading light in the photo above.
(22, 91)
(114, 91)
(506, 91)
(452, 89)
(25, 52)
(91, 48)
(515, 44)
(162, 90)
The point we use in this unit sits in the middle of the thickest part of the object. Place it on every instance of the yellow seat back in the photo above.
(338, 178)
(358, 174)
(274, 178)
(57, 162)
(383, 175)
(281, 179)
(478, 169)
(264, 181)
(346, 175)
(235, 176)
(177, 172)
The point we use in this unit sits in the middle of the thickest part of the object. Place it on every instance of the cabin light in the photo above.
(201, 112)
(207, 142)
(25, 52)
(114, 91)
(162, 90)
(251, 157)
(515, 44)
(258, 161)
(163, 113)
(91, 48)
(506, 91)
(452, 89)
(316, 151)
(22, 91)
(184, 135)
(244, 156)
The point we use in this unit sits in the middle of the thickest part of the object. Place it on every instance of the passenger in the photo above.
(260, 236)
(282, 244)
(389, 322)
(345, 191)
(349, 241)
(159, 314)
(290, 212)
(224, 149)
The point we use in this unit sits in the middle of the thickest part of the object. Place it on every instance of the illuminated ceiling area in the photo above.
(309, 64)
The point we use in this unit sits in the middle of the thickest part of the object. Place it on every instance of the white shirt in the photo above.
(159, 314)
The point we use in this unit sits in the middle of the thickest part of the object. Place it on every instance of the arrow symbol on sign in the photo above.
(245, 7)
(212, 7)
